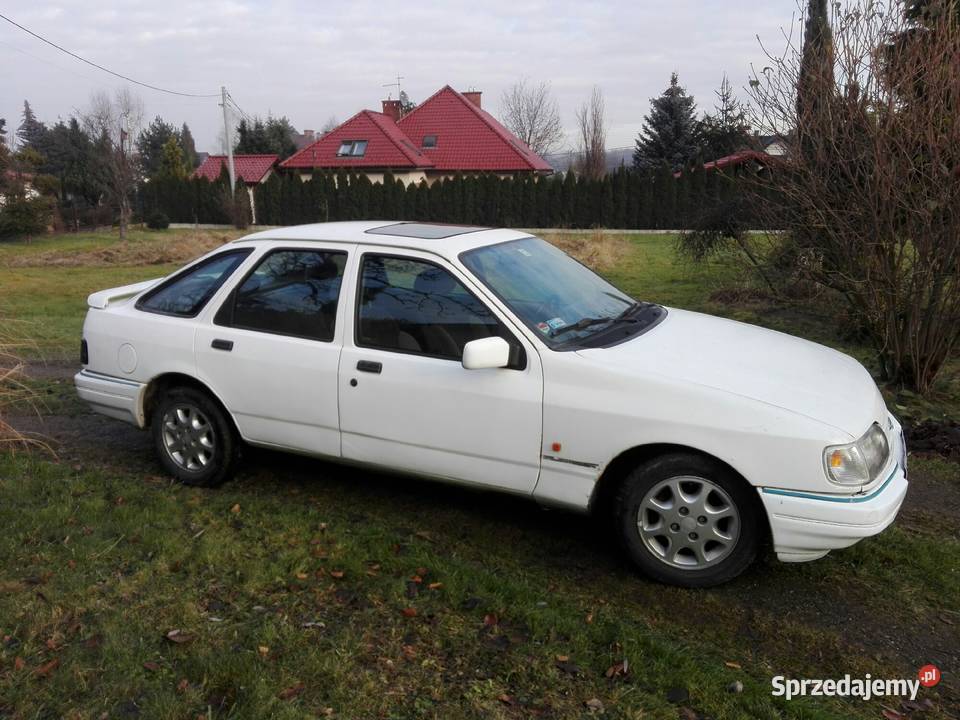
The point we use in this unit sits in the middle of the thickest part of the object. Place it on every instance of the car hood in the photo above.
(764, 365)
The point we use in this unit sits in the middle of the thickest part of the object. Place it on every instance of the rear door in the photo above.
(272, 351)
(405, 399)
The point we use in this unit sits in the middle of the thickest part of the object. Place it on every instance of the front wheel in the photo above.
(194, 439)
(689, 521)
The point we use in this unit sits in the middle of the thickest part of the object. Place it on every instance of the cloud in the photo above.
(310, 60)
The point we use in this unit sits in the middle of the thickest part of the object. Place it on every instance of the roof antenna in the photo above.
(396, 85)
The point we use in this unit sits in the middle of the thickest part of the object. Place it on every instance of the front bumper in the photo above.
(806, 526)
(112, 396)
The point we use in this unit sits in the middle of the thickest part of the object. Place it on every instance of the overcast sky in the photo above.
(310, 60)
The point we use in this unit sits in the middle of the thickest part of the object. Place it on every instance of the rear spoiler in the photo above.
(100, 300)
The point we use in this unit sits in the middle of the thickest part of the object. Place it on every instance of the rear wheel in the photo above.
(194, 438)
(687, 520)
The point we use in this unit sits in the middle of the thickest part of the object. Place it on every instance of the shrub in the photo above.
(25, 216)
(158, 221)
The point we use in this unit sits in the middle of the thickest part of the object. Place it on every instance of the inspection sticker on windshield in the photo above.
(556, 323)
(543, 327)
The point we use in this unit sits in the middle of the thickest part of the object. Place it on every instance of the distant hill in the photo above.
(561, 162)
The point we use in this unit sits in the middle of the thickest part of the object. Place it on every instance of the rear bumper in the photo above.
(112, 396)
(806, 526)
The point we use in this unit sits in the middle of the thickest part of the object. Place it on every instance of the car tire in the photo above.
(687, 520)
(194, 439)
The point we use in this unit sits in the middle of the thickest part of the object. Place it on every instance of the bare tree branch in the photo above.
(592, 131)
(531, 113)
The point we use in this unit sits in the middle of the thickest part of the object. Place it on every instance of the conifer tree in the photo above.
(669, 131)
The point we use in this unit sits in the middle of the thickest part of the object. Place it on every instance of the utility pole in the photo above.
(226, 135)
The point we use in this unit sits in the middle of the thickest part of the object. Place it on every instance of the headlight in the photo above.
(859, 462)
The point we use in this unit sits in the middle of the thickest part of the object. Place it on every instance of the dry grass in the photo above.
(595, 249)
(13, 391)
(179, 248)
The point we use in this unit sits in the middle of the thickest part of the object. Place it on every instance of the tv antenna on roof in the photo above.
(396, 85)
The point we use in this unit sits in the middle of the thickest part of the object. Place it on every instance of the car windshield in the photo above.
(566, 303)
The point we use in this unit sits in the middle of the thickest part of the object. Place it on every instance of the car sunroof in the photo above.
(424, 231)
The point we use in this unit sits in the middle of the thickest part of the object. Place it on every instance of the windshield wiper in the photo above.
(581, 324)
(584, 323)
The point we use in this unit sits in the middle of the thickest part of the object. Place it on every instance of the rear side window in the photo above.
(186, 293)
(291, 292)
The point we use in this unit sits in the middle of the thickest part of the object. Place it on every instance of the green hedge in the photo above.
(622, 199)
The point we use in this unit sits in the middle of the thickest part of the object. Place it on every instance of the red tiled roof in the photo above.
(737, 158)
(249, 168)
(468, 139)
(387, 146)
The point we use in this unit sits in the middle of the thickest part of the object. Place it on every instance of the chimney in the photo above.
(308, 134)
(391, 108)
(473, 96)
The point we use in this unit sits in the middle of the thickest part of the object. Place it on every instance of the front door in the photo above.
(273, 350)
(405, 399)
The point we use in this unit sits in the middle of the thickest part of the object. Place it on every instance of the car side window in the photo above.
(290, 292)
(186, 293)
(413, 306)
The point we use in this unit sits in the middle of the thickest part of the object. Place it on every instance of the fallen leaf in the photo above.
(594, 705)
(183, 685)
(409, 612)
(618, 669)
(302, 576)
(47, 668)
(890, 714)
(291, 692)
(151, 666)
(732, 664)
(313, 624)
(589, 618)
(490, 619)
(409, 652)
(179, 637)
(505, 699)
(563, 658)
(263, 650)
(19, 663)
(688, 714)
(235, 508)
(570, 668)
(338, 574)
(435, 586)
(327, 712)
(417, 579)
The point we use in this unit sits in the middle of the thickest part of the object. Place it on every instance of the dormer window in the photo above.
(352, 148)
(429, 141)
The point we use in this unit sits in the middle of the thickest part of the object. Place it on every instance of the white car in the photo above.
(490, 358)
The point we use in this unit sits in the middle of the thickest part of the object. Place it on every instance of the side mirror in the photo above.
(491, 352)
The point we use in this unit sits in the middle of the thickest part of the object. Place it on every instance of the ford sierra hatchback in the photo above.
(490, 358)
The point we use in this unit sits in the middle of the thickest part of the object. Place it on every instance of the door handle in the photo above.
(219, 344)
(369, 366)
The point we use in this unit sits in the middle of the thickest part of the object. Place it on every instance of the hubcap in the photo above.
(688, 522)
(188, 437)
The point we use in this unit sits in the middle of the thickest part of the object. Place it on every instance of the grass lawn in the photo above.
(305, 589)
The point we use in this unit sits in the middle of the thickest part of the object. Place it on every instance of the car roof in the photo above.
(445, 240)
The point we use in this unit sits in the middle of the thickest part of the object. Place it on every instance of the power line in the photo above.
(101, 67)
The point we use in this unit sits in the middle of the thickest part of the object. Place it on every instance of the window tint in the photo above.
(186, 294)
(291, 292)
(417, 307)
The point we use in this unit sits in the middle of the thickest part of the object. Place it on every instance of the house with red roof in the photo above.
(252, 169)
(448, 133)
